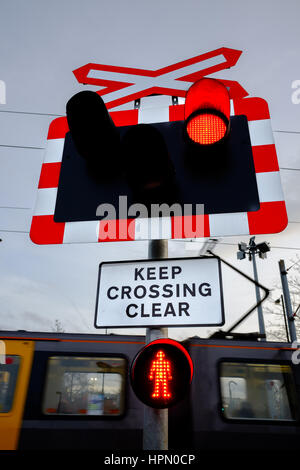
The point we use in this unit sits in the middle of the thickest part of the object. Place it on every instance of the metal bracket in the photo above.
(243, 318)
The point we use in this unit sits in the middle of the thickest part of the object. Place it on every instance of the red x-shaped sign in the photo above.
(123, 84)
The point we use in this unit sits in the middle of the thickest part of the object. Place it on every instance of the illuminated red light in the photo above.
(206, 129)
(160, 373)
(207, 111)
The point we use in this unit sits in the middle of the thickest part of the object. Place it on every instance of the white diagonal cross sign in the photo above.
(123, 84)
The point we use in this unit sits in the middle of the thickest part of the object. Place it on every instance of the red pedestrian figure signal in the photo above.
(161, 374)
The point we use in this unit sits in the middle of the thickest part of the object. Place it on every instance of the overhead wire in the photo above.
(172, 240)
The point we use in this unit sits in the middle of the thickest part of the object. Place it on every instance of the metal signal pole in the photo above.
(155, 436)
(287, 301)
(261, 322)
(252, 250)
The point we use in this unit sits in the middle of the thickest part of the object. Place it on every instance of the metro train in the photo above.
(66, 391)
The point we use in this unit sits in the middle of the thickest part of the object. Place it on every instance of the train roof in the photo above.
(234, 340)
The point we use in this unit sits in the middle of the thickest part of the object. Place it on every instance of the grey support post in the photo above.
(155, 436)
(287, 301)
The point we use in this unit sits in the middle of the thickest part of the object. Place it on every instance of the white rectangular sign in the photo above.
(167, 292)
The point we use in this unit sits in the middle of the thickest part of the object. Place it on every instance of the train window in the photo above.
(85, 386)
(254, 391)
(8, 380)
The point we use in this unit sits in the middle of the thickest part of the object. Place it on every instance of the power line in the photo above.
(22, 147)
(271, 246)
(235, 244)
(287, 132)
(285, 168)
(171, 240)
(15, 207)
(14, 231)
(30, 112)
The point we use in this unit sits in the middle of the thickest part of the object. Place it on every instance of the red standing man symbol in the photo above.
(160, 372)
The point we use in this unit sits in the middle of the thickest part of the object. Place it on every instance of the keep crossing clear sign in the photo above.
(166, 292)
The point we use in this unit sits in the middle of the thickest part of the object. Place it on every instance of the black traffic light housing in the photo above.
(94, 134)
(161, 373)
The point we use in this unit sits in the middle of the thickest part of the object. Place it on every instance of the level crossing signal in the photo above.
(203, 158)
(161, 373)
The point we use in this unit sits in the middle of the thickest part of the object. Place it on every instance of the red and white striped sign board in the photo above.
(270, 218)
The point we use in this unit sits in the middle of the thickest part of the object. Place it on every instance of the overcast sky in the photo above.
(41, 43)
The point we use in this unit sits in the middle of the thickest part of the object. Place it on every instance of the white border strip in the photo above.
(261, 132)
(152, 115)
(81, 232)
(232, 224)
(54, 150)
(46, 200)
(153, 229)
(269, 186)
